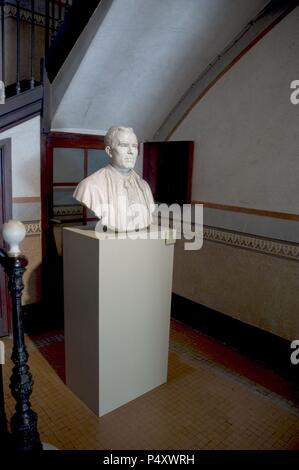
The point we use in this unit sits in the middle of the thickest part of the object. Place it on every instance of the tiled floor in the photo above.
(215, 398)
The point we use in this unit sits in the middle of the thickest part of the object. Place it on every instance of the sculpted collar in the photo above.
(126, 179)
(118, 173)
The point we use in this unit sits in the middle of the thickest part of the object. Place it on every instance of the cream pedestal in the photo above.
(117, 315)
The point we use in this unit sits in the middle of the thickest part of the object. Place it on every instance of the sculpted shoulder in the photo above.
(93, 179)
(89, 190)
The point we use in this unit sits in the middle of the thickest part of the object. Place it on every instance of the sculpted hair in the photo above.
(112, 132)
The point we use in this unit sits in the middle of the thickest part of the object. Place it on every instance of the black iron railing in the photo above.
(23, 424)
(28, 28)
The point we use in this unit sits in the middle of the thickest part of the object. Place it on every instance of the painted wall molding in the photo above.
(249, 210)
(266, 246)
(68, 210)
(26, 200)
(33, 228)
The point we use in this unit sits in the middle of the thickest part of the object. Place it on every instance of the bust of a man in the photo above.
(117, 195)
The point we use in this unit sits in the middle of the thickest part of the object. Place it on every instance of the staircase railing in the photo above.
(24, 433)
(36, 37)
(62, 43)
(27, 29)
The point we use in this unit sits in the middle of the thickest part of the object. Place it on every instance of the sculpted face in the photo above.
(124, 150)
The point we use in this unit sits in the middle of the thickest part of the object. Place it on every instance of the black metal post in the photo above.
(32, 81)
(18, 84)
(2, 43)
(47, 26)
(24, 433)
(60, 10)
(53, 19)
(4, 434)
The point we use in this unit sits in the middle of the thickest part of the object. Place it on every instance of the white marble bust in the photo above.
(117, 195)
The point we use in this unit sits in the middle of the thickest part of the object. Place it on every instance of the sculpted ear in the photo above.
(108, 151)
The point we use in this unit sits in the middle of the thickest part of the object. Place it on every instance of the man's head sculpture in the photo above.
(122, 147)
(120, 198)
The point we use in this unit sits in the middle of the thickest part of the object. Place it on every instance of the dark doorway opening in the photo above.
(167, 167)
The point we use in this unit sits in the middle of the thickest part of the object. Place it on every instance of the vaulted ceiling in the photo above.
(138, 57)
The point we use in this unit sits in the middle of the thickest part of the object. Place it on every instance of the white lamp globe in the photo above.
(13, 233)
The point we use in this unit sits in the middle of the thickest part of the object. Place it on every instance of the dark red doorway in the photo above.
(167, 167)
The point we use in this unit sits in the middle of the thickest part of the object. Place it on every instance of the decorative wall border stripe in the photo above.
(68, 210)
(249, 210)
(26, 200)
(250, 242)
(33, 228)
(237, 239)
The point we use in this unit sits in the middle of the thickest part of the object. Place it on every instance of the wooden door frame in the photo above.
(6, 211)
(49, 142)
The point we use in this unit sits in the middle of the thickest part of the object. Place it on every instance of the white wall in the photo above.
(253, 287)
(246, 154)
(246, 129)
(25, 146)
(25, 142)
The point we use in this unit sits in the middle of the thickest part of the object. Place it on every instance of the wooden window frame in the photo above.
(49, 142)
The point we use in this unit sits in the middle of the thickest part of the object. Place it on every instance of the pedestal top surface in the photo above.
(153, 232)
